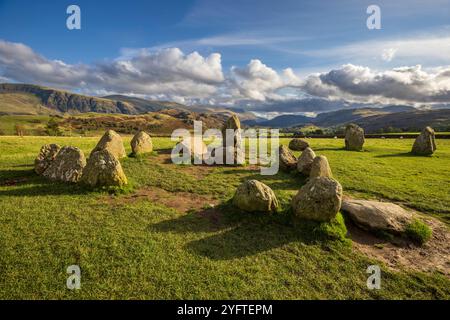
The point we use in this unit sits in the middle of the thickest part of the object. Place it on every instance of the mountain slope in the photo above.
(341, 117)
(143, 105)
(328, 119)
(22, 103)
(63, 101)
(32, 99)
(283, 121)
(395, 117)
(407, 121)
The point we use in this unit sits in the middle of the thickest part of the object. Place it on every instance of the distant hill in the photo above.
(407, 121)
(341, 117)
(61, 101)
(395, 117)
(327, 119)
(26, 99)
(22, 103)
(283, 121)
(143, 105)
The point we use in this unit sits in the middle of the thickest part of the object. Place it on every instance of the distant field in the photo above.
(164, 239)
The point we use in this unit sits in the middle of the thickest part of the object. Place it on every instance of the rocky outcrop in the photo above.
(64, 101)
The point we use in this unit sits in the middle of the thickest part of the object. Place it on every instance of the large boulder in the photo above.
(320, 168)
(288, 161)
(354, 137)
(45, 157)
(253, 195)
(298, 144)
(377, 216)
(112, 141)
(141, 143)
(103, 169)
(319, 199)
(67, 166)
(425, 143)
(305, 161)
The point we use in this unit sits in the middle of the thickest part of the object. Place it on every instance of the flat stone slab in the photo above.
(377, 216)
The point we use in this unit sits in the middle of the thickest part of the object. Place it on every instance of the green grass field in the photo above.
(134, 245)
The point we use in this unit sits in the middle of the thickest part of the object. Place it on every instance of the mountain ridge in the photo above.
(64, 101)
(33, 99)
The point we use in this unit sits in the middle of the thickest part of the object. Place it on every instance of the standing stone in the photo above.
(320, 168)
(141, 143)
(195, 146)
(103, 169)
(305, 161)
(298, 144)
(255, 196)
(45, 157)
(320, 200)
(377, 216)
(112, 141)
(67, 166)
(232, 123)
(425, 143)
(354, 137)
(288, 161)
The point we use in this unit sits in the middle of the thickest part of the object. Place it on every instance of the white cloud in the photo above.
(228, 40)
(21, 63)
(170, 74)
(259, 82)
(406, 84)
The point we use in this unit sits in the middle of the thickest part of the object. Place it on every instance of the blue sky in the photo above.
(304, 36)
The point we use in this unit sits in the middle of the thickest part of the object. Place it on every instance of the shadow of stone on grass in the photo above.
(237, 234)
(399, 154)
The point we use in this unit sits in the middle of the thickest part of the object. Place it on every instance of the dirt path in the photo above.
(401, 254)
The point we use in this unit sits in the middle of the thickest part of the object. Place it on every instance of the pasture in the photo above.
(172, 234)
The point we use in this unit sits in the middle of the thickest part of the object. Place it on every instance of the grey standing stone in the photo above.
(45, 157)
(67, 166)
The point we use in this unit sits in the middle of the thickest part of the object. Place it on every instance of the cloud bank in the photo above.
(171, 74)
(405, 85)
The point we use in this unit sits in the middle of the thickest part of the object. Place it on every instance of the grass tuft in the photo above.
(335, 230)
(418, 231)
